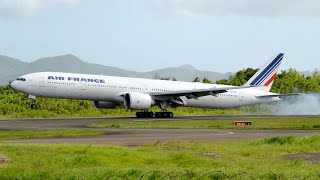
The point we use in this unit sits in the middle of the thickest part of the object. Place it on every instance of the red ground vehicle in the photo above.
(242, 123)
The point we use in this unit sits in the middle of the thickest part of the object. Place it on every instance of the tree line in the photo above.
(288, 81)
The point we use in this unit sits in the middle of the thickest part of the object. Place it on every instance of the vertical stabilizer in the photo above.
(265, 76)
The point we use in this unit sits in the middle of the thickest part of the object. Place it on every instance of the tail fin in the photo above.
(266, 74)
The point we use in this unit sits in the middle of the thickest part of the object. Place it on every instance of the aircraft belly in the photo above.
(102, 94)
(56, 92)
(212, 102)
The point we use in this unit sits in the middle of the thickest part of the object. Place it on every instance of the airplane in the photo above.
(141, 94)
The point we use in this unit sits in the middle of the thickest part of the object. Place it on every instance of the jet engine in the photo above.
(138, 101)
(105, 104)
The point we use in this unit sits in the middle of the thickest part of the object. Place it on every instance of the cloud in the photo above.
(238, 7)
(27, 7)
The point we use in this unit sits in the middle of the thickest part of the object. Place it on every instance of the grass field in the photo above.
(58, 112)
(29, 134)
(258, 123)
(261, 159)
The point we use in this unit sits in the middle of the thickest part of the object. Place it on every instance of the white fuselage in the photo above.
(110, 88)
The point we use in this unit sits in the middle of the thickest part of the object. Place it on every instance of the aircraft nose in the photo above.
(13, 84)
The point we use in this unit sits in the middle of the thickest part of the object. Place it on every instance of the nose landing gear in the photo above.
(33, 102)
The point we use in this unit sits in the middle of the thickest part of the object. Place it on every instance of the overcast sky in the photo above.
(143, 35)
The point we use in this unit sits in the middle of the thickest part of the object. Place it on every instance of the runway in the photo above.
(133, 137)
(77, 123)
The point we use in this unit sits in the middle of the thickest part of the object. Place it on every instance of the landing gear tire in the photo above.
(33, 106)
(156, 115)
(164, 115)
(145, 114)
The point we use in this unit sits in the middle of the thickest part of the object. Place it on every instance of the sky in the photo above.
(144, 35)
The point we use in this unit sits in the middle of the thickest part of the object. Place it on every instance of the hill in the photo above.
(11, 68)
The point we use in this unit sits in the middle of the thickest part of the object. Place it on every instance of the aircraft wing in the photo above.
(280, 95)
(197, 92)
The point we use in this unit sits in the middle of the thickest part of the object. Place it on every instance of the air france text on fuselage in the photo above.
(77, 79)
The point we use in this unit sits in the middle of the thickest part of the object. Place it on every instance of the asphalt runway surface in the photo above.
(133, 137)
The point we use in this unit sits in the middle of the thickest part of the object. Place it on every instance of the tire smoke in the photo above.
(308, 104)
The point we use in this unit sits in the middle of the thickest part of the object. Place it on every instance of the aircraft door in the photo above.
(42, 82)
(83, 92)
(241, 97)
(42, 85)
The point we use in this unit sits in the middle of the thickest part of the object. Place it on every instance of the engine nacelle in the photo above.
(105, 104)
(138, 101)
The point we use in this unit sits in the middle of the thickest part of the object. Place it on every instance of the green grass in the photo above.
(261, 159)
(30, 134)
(258, 123)
(17, 105)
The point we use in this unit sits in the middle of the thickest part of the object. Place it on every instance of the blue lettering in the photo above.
(76, 79)
(84, 79)
(50, 77)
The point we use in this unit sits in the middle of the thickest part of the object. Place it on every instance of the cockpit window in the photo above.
(21, 79)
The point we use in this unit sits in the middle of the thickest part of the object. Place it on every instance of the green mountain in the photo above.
(11, 68)
(187, 73)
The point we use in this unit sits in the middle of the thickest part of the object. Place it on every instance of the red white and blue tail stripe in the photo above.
(267, 73)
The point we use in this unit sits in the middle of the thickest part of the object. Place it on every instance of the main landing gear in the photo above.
(148, 114)
(145, 114)
(33, 102)
(163, 114)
